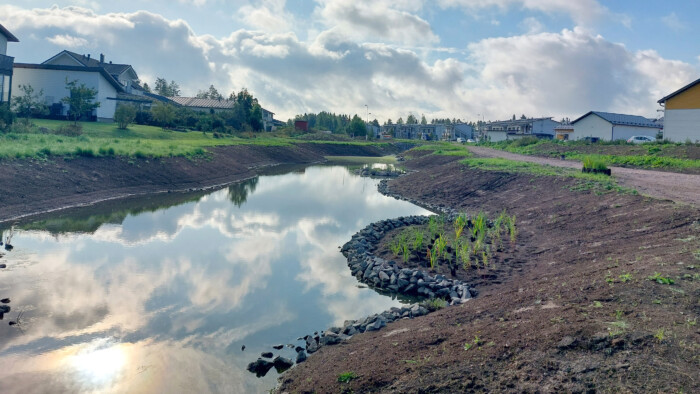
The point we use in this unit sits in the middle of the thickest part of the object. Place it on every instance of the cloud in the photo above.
(68, 41)
(581, 11)
(269, 16)
(539, 73)
(531, 25)
(376, 20)
(673, 22)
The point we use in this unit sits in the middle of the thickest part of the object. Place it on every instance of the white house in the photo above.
(215, 105)
(519, 128)
(609, 127)
(6, 63)
(110, 80)
(682, 113)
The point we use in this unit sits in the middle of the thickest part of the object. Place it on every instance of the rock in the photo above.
(3, 266)
(243, 348)
(5, 309)
(311, 345)
(376, 325)
(301, 357)
(567, 343)
(267, 355)
(5, 300)
(330, 340)
(260, 367)
(282, 364)
(278, 347)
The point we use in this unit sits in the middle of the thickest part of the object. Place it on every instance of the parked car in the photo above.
(640, 139)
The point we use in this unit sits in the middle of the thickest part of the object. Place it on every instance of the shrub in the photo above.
(84, 152)
(124, 115)
(435, 304)
(71, 130)
(594, 163)
(525, 141)
(106, 151)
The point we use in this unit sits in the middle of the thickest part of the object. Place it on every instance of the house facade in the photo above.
(519, 128)
(113, 82)
(608, 126)
(6, 65)
(445, 132)
(216, 106)
(682, 114)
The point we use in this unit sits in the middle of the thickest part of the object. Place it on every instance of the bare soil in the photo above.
(572, 310)
(29, 187)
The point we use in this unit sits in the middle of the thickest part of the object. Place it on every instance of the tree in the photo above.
(81, 100)
(124, 115)
(357, 127)
(400, 121)
(173, 89)
(411, 119)
(422, 120)
(164, 114)
(388, 122)
(256, 117)
(523, 116)
(166, 89)
(29, 103)
(146, 88)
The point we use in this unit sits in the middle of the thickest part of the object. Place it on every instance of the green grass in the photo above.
(105, 139)
(443, 148)
(346, 377)
(654, 156)
(593, 182)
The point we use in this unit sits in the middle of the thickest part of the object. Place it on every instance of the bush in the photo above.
(7, 117)
(592, 163)
(143, 118)
(525, 141)
(84, 152)
(70, 130)
(124, 115)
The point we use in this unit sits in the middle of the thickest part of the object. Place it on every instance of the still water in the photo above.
(161, 295)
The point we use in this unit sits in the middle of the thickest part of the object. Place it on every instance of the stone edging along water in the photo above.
(385, 275)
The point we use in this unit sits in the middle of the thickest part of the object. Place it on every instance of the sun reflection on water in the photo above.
(99, 364)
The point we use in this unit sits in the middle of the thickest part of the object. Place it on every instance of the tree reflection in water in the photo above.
(238, 192)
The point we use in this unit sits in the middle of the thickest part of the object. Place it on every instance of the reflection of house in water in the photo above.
(238, 192)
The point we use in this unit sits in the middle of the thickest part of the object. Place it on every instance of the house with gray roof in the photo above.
(215, 105)
(6, 63)
(113, 82)
(608, 126)
(518, 128)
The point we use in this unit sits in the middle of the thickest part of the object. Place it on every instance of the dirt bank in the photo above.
(570, 309)
(28, 187)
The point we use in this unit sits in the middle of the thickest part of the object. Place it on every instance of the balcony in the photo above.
(6, 63)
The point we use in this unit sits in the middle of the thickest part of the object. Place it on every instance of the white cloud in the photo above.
(376, 20)
(68, 41)
(673, 22)
(268, 15)
(531, 25)
(581, 11)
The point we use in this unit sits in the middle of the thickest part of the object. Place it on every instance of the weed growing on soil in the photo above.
(435, 304)
(459, 225)
(661, 279)
(660, 334)
(346, 377)
(624, 278)
(417, 240)
(594, 163)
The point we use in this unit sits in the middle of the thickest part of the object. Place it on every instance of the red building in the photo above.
(301, 125)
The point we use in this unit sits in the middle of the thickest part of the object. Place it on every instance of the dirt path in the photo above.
(684, 188)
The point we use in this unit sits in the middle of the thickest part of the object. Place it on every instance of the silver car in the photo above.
(640, 139)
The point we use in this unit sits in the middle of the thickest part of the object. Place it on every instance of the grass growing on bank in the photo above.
(595, 182)
(443, 148)
(654, 155)
(105, 139)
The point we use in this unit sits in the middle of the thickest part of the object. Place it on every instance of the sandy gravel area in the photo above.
(683, 188)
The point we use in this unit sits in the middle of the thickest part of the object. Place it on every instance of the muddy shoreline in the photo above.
(574, 309)
(29, 187)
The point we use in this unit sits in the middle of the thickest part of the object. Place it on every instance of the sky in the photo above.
(467, 59)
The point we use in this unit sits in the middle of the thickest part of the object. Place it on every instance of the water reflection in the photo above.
(147, 298)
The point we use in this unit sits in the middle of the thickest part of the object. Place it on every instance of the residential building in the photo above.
(681, 121)
(6, 64)
(610, 127)
(464, 131)
(216, 105)
(564, 132)
(113, 82)
(519, 128)
(420, 131)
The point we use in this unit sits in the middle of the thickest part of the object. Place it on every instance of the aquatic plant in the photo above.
(417, 240)
(459, 224)
(479, 224)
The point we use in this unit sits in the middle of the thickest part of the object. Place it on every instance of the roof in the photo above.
(203, 103)
(679, 91)
(112, 68)
(6, 33)
(519, 121)
(100, 70)
(622, 120)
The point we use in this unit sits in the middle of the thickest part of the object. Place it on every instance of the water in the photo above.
(160, 294)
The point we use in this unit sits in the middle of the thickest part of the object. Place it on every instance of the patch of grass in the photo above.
(594, 163)
(435, 304)
(660, 334)
(346, 377)
(624, 278)
(443, 148)
(658, 278)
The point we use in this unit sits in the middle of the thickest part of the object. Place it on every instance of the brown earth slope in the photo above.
(571, 308)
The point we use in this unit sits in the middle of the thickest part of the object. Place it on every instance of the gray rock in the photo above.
(383, 276)
(301, 357)
(278, 347)
(282, 364)
(260, 367)
(330, 339)
(267, 355)
(5, 309)
(376, 325)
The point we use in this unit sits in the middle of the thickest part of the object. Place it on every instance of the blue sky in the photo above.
(455, 58)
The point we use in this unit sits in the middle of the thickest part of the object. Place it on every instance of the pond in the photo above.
(160, 294)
